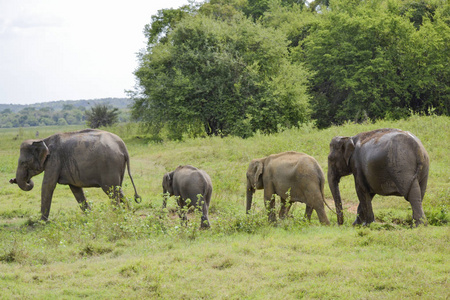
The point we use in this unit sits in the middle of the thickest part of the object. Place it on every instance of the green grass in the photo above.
(144, 253)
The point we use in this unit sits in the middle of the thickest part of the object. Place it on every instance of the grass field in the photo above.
(111, 253)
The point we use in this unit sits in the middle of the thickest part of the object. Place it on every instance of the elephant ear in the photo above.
(349, 147)
(41, 153)
(167, 182)
(168, 178)
(258, 172)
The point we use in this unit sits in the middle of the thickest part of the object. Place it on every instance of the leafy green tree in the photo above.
(231, 77)
(372, 62)
(101, 115)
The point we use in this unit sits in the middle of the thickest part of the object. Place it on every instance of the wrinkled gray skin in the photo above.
(277, 173)
(86, 158)
(384, 162)
(188, 182)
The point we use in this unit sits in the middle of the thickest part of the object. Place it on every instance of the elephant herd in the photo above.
(384, 162)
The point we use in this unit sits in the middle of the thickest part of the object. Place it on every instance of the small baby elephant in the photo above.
(188, 182)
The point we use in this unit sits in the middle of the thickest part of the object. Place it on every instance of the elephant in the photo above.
(384, 162)
(80, 159)
(188, 182)
(293, 173)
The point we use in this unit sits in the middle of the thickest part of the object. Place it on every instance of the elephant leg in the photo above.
(308, 212)
(48, 187)
(79, 195)
(360, 216)
(270, 207)
(320, 210)
(415, 199)
(269, 202)
(205, 218)
(115, 193)
(120, 197)
(284, 208)
(288, 207)
(365, 210)
(183, 216)
(182, 211)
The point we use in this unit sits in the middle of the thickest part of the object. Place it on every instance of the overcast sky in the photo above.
(73, 49)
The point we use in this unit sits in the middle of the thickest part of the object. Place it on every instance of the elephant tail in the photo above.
(137, 198)
(321, 185)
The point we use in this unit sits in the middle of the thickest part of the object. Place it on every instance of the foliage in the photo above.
(146, 253)
(366, 60)
(229, 77)
(372, 62)
(101, 115)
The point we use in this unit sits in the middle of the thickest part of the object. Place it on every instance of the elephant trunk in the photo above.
(250, 192)
(333, 182)
(23, 181)
(165, 196)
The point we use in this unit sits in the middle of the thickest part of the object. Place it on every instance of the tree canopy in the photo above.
(373, 62)
(231, 77)
(234, 67)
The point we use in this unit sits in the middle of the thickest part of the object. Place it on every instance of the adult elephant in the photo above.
(292, 176)
(384, 162)
(86, 158)
(193, 187)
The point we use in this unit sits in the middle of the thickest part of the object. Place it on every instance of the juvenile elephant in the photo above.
(279, 173)
(86, 158)
(384, 162)
(188, 182)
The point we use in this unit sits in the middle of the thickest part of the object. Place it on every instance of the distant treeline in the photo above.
(56, 112)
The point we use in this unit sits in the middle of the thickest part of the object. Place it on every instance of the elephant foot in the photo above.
(272, 217)
(205, 223)
(45, 219)
(205, 226)
(420, 222)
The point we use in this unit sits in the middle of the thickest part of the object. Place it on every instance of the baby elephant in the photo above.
(188, 182)
(293, 173)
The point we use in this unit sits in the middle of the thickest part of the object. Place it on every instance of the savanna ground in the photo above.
(111, 253)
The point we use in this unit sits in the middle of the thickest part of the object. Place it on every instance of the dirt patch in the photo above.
(352, 208)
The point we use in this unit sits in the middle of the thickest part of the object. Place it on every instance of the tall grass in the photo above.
(112, 252)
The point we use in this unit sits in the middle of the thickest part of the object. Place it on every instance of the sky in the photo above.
(73, 49)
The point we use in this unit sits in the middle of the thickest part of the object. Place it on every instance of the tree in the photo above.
(372, 62)
(231, 78)
(101, 115)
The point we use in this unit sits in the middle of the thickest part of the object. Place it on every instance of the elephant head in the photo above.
(341, 150)
(33, 154)
(167, 185)
(254, 179)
